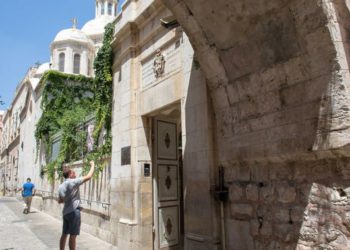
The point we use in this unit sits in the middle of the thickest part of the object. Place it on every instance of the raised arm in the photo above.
(60, 200)
(61, 194)
(91, 172)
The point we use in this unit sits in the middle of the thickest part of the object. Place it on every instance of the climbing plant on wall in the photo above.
(103, 98)
(67, 103)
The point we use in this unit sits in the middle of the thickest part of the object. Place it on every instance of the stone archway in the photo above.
(266, 57)
(277, 72)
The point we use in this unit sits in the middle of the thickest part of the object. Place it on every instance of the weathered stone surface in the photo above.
(241, 211)
(252, 192)
(277, 55)
(282, 215)
(267, 193)
(286, 232)
(286, 194)
(255, 227)
(266, 229)
(239, 233)
(235, 192)
(296, 213)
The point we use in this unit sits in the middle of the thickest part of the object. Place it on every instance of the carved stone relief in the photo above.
(158, 64)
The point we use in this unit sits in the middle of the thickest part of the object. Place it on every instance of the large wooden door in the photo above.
(166, 215)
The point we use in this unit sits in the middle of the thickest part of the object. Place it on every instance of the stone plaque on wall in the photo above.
(168, 226)
(125, 156)
(172, 58)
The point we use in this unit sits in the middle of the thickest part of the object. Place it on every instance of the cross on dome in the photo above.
(74, 22)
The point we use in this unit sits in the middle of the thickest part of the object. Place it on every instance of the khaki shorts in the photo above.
(27, 202)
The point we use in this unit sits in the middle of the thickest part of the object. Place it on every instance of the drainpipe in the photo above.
(221, 194)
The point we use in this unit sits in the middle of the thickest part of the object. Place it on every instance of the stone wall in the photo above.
(288, 205)
(95, 200)
(278, 77)
(277, 72)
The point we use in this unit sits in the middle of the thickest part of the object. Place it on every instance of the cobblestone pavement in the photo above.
(36, 231)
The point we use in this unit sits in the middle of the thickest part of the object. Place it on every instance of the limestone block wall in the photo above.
(278, 76)
(11, 147)
(123, 178)
(277, 72)
(28, 148)
(139, 97)
(31, 157)
(288, 205)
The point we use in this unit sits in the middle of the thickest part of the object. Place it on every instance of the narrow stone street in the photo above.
(36, 230)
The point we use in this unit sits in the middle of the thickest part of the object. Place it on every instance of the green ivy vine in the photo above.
(103, 99)
(68, 102)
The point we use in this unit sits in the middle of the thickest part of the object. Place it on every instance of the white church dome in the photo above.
(97, 25)
(71, 34)
(42, 68)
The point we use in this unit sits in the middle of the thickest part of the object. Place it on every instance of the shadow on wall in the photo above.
(284, 97)
(275, 202)
(200, 208)
(293, 205)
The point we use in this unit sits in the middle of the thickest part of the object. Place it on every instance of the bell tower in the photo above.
(106, 8)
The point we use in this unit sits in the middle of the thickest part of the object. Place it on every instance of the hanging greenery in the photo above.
(103, 99)
(68, 101)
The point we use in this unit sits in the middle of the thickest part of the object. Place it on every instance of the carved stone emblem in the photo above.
(158, 64)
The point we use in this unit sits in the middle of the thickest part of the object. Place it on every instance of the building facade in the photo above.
(72, 51)
(229, 132)
(138, 201)
(11, 138)
(160, 99)
(2, 174)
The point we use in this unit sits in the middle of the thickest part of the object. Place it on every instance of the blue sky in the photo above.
(26, 30)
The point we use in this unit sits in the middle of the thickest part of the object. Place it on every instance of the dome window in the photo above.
(61, 62)
(102, 9)
(110, 7)
(76, 68)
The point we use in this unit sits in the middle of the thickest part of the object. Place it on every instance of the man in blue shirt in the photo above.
(28, 191)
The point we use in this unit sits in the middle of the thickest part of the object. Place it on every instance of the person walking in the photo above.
(68, 193)
(28, 191)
